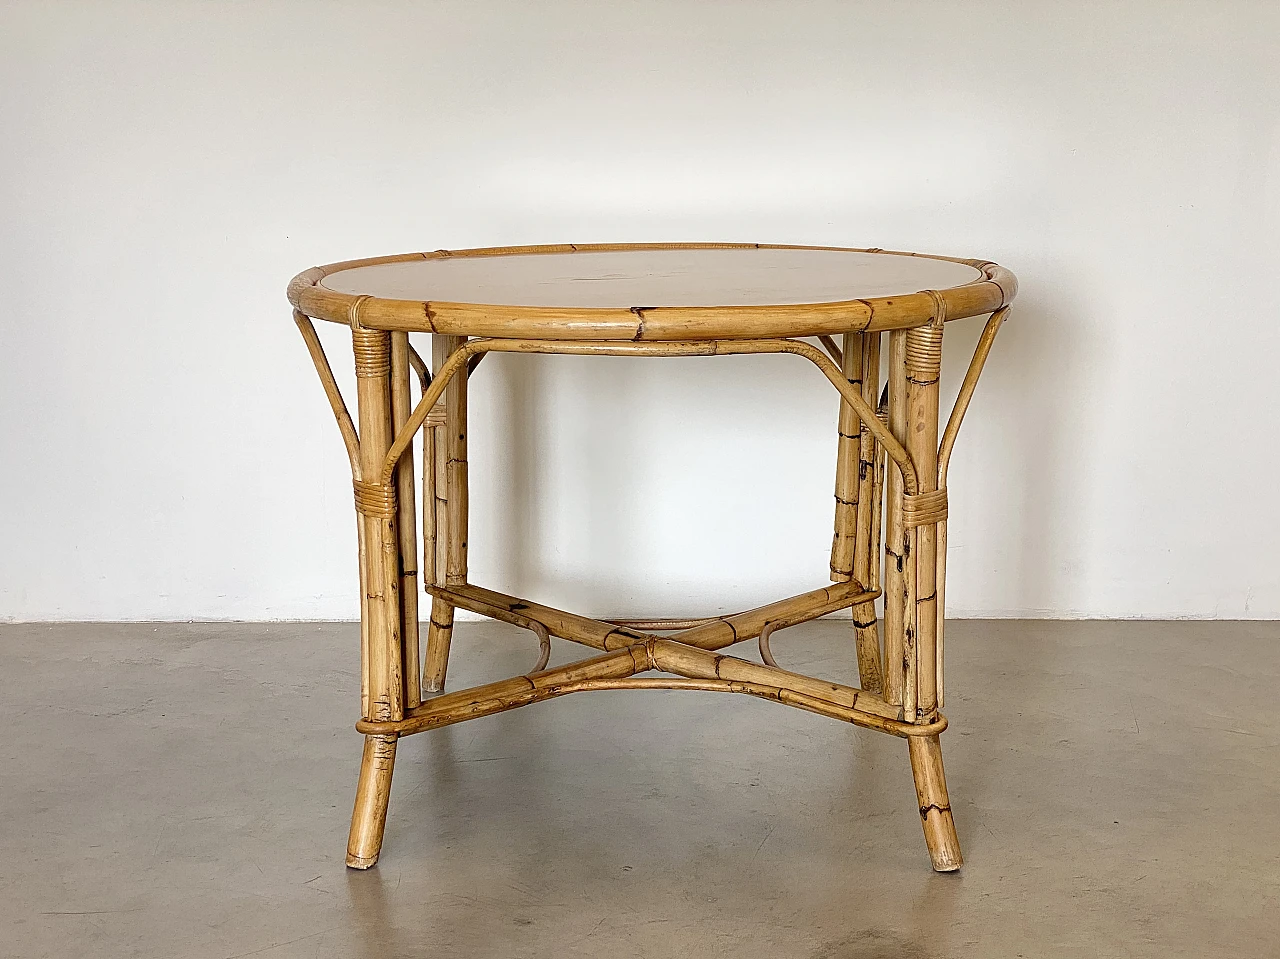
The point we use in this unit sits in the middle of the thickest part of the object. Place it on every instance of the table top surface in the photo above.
(644, 278)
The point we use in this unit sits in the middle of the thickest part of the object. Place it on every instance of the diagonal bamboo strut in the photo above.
(829, 344)
(948, 442)
(420, 367)
(339, 406)
(896, 451)
(970, 383)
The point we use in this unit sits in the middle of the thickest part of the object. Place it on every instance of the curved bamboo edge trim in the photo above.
(786, 697)
(994, 288)
(461, 356)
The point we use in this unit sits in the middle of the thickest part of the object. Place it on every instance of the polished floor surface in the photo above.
(185, 790)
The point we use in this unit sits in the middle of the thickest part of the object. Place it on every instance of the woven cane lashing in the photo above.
(372, 351)
(924, 509)
(374, 499)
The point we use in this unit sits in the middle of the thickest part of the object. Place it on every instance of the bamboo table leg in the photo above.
(922, 358)
(911, 500)
(376, 504)
(450, 447)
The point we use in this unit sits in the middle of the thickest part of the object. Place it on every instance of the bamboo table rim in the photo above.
(890, 530)
(993, 288)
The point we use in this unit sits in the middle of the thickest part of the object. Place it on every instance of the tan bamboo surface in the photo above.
(889, 533)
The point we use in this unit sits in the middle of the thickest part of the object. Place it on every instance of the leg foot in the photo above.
(935, 806)
(372, 792)
(439, 634)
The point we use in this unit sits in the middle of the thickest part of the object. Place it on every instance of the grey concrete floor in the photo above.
(185, 791)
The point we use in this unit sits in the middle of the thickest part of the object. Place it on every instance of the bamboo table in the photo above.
(653, 300)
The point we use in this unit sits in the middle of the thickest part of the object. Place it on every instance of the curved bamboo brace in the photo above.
(462, 355)
(829, 344)
(765, 652)
(420, 367)
(948, 442)
(970, 383)
(544, 645)
(339, 406)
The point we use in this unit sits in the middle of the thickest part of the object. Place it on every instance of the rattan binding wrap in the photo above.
(924, 509)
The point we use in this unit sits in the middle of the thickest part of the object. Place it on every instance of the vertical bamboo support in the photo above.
(877, 498)
(870, 663)
(456, 468)
(429, 505)
(844, 539)
(449, 479)
(895, 546)
(442, 494)
(922, 511)
(940, 586)
(923, 363)
(365, 698)
(376, 505)
(400, 407)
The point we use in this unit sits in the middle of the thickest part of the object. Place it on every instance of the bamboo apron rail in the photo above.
(890, 539)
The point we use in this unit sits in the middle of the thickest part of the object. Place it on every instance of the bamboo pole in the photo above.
(958, 410)
(407, 518)
(436, 420)
(844, 538)
(520, 612)
(894, 538)
(435, 663)
(497, 697)
(673, 656)
(829, 344)
(870, 659)
(376, 505)
(785, 612)
(428, 505)
(373, 792)
(382, 539)
(935, 805)
(456, 471)
(923, 365)
(877, 498)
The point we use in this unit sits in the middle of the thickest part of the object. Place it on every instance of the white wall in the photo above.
(166, 167)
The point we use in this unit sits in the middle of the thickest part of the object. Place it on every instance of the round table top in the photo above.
(646, 278)
(651, 291)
